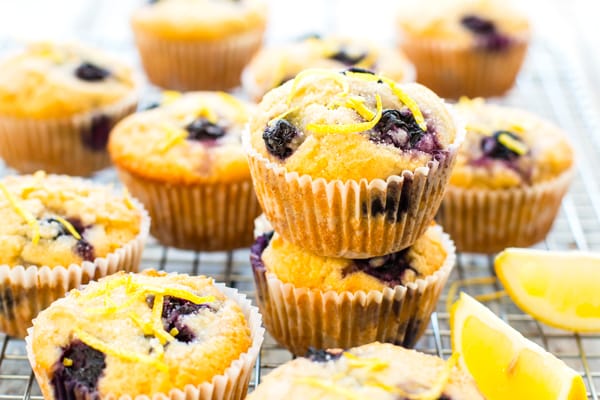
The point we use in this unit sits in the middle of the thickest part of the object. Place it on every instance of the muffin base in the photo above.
(488, 221)
(57, 145)
(201, 217)
(299, 318)
(28, 290)
(197, 64)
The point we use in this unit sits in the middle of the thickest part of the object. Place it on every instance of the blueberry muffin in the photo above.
(57, 233)
(465, 47)
(313, 301)
(198, 44)
(273, 66)
(351, 164)
(185, 163)
(374, 371)
(58, 103)
(510, 177)
(152, 334)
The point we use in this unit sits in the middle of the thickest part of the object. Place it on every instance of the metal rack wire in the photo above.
(550, 86)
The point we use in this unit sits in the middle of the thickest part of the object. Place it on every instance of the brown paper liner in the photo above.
(351, 219)
(299, 318)
(231, 385)
(28, 290)
(197, 64)
(454, 70)
(488, 221)
(203, 216)
(56, 145)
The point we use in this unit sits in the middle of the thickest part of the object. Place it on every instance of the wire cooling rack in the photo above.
(548, 86)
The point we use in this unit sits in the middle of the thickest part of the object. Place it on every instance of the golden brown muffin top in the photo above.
(292, 264)
(374, 371)
(271, 67)
(351, 125)
(52, 80)
(507, 147)
(153, 331)
(190, 138)
(200, 19)
(481, 22)
(57, 220)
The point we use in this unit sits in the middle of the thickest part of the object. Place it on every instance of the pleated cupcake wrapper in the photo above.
(203, 216)
(488, 221)
(197, 64)
(351, 219)
(454, 70)
(299, 318)
(28, 290)
(231, 385)
(56, 145)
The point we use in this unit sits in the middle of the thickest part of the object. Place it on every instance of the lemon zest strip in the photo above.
(69, 227)
(170, 96)
(512, 144)
(349, 128)
(173, 137)
(26, 215)
(157, 325)
(372, 364)
(329, 386)
(477, 128)
(282, 115)
(337, 77)
(179, 293)
(127, 199)
(67, 362)
(357, 103)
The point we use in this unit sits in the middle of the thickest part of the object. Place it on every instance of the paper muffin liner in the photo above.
(453, 70)
(197, 64)
(299, 318)
(488, 221)
(74, 145)
(231, 385)
(203, 217)
(27, 290)
(351, 219)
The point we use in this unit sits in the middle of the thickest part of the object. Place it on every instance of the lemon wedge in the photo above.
(504, 364)
(557, 288)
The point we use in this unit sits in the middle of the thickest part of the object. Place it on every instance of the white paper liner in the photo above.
(335, 218)
(231, 385)
(299, 318)
(28, 290)
(204, 216)
(488, 221)
(55, 145)
(197, 64)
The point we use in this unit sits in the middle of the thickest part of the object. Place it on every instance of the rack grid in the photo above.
(550, 86)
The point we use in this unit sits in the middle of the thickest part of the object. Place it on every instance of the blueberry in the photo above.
(478, 25)
(149, 106)
(279, 138)
(359, 70)
(172, 313)
(96, 137)
(85, 250)
(347, 58)
(80, 378)
(202, 129)
(257, 249)
(495, 42)
(389, 269)
(397, 128)
(493, 148)
(91, 72)
(320, 355)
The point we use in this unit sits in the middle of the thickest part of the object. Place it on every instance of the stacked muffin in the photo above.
(350, 169)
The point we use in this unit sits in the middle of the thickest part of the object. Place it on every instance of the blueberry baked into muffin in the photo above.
(510, 177)
(351, 164)
(465, 47)
(313, 301)
(150, 334)
(198, 44)
(273, 66)
(185, 162)
(374, 371)
(57, 233)
(58, 103)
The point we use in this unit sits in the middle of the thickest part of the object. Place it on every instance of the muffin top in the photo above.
(199, 19)
(488, 24)
(292, 264)
(140, 334)
(351, 125)
(507, 147)
(57, 220)
(273, 66)
(373, 371)
(189, 138)
(49, 80)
